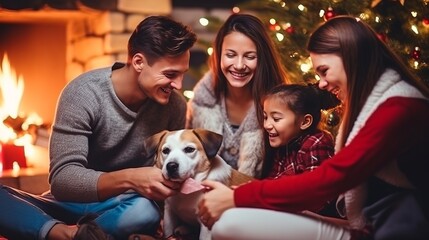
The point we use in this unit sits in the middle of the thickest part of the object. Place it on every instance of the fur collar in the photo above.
(204, 91)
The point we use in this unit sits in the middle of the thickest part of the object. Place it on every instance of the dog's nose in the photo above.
(172, 168)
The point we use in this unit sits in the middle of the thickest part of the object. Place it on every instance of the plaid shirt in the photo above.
(304, 153)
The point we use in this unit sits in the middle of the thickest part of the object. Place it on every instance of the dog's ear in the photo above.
(151, 144)
(211, 141)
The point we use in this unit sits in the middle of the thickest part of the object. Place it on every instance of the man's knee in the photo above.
(141, 216)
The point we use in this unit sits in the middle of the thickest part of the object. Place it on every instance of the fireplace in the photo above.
(36, 51)
(50, 46)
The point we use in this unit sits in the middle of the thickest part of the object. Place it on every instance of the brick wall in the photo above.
(96, 33)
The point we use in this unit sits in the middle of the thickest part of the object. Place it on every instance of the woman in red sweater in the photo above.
(381, 163)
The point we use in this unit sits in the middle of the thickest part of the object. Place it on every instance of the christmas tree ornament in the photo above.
(290, 30)
(415, 54)
(425, 22)
(333, 119)
(329, 14)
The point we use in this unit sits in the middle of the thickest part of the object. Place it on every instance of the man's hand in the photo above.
(218, 199)
(153, 185)
(147, 181)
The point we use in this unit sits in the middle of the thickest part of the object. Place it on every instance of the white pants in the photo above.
(262, 224)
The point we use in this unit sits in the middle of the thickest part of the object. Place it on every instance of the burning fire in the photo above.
(13, 127)
(12, 88)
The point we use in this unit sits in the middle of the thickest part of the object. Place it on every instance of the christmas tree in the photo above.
(403, 25)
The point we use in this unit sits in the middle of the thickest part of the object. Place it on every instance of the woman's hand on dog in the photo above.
(214, 202)
(150, 183)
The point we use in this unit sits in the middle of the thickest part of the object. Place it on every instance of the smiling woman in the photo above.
(331, 72)
(244, 66)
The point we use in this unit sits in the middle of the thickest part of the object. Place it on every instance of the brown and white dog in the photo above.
(184, 154)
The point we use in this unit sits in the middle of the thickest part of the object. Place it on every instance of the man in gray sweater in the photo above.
(98, 168)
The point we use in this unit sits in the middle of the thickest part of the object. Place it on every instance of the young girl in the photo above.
(292, 115)
(295, 141)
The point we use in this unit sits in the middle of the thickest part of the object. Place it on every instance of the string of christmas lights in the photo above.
(402, 24)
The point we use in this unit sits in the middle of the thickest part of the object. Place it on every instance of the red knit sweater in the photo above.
(398, 129)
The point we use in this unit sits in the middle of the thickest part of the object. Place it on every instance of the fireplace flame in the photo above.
(14, 128)
(12, 89)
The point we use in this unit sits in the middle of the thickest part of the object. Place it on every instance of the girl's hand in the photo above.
(218, 199)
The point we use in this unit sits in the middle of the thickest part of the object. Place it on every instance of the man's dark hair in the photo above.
(160, 36)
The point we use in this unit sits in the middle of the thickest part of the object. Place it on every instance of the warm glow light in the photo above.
(12, 89)
(188, 94)
(204, 21)
(6, 133)
(321, 13)
(280, 36)
(305, 67)
(272, 21)
(414, 28)
(24, 140)
(210, 51)
(317, 77)
(414, 13)
(16, 167)
(235, 9)
(32, 118)
(301, 7)
(365, 16)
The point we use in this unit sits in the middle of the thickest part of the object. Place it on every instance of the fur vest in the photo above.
(243, 148)
(389, 85)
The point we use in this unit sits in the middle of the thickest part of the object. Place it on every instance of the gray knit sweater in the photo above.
(95, 132)
(242, 149)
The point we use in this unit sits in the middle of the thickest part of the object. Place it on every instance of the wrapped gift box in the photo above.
(10, 153)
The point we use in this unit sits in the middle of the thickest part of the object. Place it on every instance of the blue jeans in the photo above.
(29, 216)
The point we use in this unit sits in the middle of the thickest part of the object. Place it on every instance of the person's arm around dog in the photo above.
(147, 181)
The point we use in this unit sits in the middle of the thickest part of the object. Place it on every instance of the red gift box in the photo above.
(11, 153)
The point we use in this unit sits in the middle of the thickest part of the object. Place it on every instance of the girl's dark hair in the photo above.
(300, 99)
(160, 36)
(304, 99)
(269, 71)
